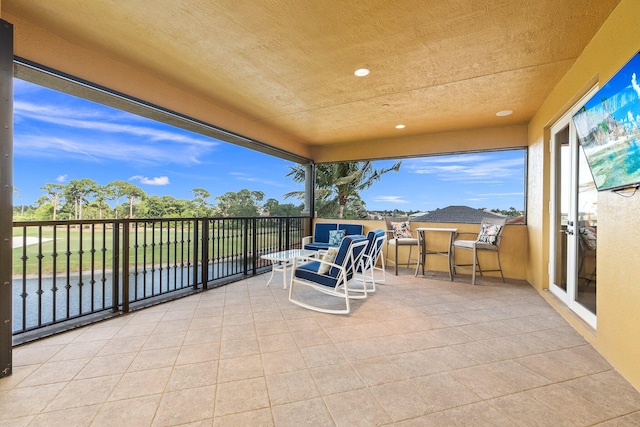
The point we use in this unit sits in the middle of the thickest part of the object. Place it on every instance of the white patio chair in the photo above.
(331, 277)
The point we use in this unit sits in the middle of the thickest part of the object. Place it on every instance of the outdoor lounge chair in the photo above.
(488, 239)
(329, 277)
(375, 241)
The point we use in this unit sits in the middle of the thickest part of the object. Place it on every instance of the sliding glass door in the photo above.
(574, 222)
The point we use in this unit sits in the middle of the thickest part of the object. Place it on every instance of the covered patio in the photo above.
(420, 351)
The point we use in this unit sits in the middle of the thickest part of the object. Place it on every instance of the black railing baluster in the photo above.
(115, 269)
(54, 274)
(126, 232)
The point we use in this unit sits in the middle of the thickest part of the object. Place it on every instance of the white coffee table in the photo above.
(281, 260)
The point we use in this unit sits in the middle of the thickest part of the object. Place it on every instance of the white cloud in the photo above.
(501, 194)
(61, 178)
(75, 147)
(241, 176)
(159, 180)
(634, 84)
(471, 168)
(390, 199)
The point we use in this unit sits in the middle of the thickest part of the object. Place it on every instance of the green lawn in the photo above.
(174, 245)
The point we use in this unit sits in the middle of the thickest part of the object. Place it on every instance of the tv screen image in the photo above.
(608, 128)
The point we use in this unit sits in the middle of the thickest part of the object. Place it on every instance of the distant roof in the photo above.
(458, 214)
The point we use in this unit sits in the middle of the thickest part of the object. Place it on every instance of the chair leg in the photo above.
(475, 261)
(396, 260)
(500, 266)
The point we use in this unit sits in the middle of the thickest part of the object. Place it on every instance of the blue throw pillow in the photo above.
(335, 237)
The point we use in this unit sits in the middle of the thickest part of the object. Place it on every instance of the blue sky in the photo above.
(58, 137)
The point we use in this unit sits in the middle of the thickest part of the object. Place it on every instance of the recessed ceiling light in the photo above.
(361, 72)
(504, 113)
(400, 126)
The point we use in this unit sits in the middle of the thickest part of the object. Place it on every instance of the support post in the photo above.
(6, 197)
(309, 197)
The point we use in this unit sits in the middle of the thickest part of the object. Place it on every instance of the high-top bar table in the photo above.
(422, 231)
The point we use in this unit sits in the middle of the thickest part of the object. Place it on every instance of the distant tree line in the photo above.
(338, 187)
(85, 199)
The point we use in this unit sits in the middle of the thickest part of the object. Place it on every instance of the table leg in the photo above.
(272, 270)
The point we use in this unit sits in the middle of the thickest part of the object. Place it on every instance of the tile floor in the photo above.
(419, 352)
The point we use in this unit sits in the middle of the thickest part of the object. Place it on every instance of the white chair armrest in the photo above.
(306, 240)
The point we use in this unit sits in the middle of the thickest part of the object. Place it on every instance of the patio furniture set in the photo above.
(339, 261)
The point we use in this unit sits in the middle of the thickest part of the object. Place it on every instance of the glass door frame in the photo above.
(570, 295)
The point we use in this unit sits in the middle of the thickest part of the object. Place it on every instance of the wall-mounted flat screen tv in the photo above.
(608, 128)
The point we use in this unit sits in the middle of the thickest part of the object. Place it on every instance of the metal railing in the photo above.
(67, 273)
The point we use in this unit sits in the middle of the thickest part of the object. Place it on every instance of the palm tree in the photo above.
(338, 185)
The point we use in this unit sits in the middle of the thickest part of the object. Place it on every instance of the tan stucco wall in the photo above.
(513, 249)
(617, 336)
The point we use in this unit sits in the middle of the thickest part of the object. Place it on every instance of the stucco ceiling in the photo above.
(435, 66)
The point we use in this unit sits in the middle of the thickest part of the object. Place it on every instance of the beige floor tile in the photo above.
(193, 375)
(356, 407)
(283, 361)
(310, 338)
(236, 332)
(257, 418)
(322, 355)
(498, 379)
(599, 388)
(272, 327)
(156, 341)
(306, 413)
(290, 387)
(336, 378)
(480, 414)
(134, 329)
(437, 419)
(631, 420)
(401, 400)
(572, 406)
(172, 326)
(141, 383)
(131, 412)
(524, 411)
(414, 351)
(196, 353)
(154, 359)
(24, 401)
(75, 417)
(203, 335)
(98, 332)
(377, 370)
(55, 372)
(443, 391)
(84, 392)
(81, 350)
(105, 365)
(185, 406)
(122, 345)
(241, 396)
(278, 342)
(240, 347)
(31, 354)
(240, 368)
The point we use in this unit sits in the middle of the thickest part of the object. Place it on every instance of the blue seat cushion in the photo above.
(315, 246)
(321, 232)
(309, 272)
(351, 229)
